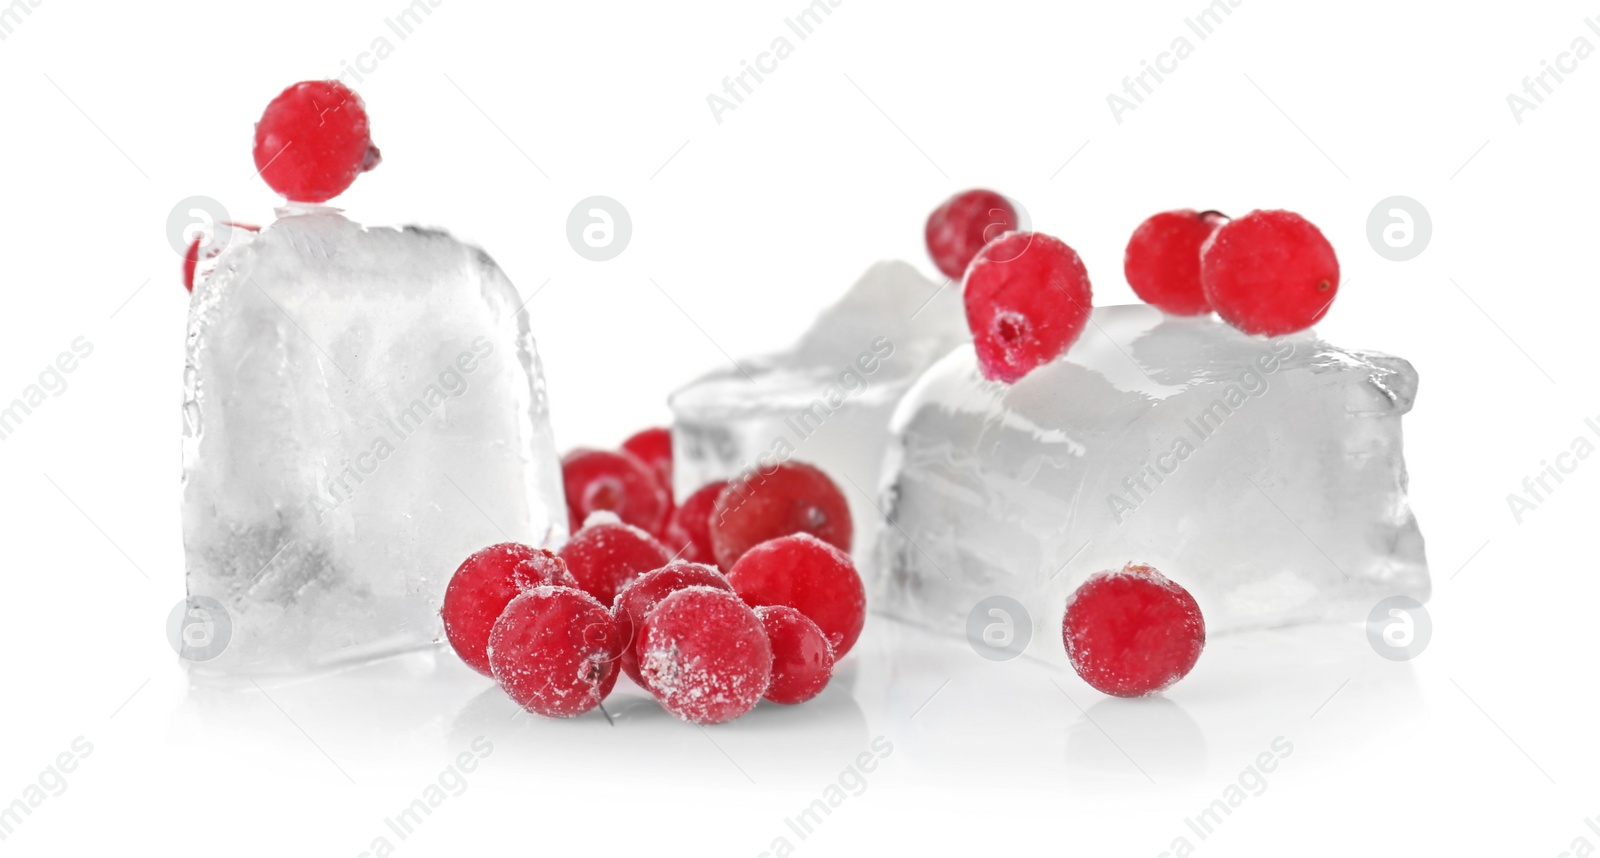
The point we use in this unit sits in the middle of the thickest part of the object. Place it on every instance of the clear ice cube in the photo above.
(1266, 476)
(828, 399)
(363, 409)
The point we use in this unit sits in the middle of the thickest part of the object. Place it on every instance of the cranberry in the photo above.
(638, 599)
(1132, 632)
(312, 141)
(482, 587)
(605, 555)
(802, 661)
(653, 447)
(1162, 261)
(792, 498)
(812, 577)
(554, 651)
(191, 259)
(1028, 299)
(688, 532)
(599, 480)
(1269, 272)
(960, 227)
(704, 654)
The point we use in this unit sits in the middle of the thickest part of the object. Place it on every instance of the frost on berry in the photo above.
(1028, 299)
(963, 224)
(554, 651)
(606, 554)
(1132, 632)
(481, 588)
(639, 598)
(704, 654)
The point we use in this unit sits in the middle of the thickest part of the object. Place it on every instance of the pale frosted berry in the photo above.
(554, 651)
(704, 654)
(1028, 300)
(638, 599)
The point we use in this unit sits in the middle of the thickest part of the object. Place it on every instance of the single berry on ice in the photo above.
(1270, 273)
(1132, 632)
(313, 140)
(1162, 261)
(1028, 299)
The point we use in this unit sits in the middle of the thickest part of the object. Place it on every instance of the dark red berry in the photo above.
(191, 258)
(791, 498)
(802, 660)
(1028, 299)
(960, 227)
(603, 481)
(812, 577)
(653, 447)
(688, 532)
(704, 654)
(554, 651)
(1132, 632)
(605, 555)
(638, 599)
(312, 141)
(1162, 261)
(481, 588)
(1269, 273)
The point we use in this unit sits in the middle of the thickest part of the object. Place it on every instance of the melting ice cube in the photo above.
(1266, 476)
(363, 409)
(827, 400)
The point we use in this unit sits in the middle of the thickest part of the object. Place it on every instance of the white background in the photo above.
(494, 119)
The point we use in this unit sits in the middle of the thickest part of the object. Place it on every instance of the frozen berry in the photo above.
(638, 599)
(791, 498)
(1270, 273)
(960, 227)
(688, 532)
(482, 587)
(312, 141)
(1028, 299)
(1162, 261)
(812, 577)
(802, 660)
(554, 651)
(1132, 632)
(704, 654)
(605, 555)
(218, 242)
(599, 480)
(653, 447)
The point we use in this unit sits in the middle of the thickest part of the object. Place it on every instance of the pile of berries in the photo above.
(743, 592)
(1028, 297)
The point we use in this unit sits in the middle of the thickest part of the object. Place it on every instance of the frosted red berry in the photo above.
(802, 660)
(1162, 261)
(688, 531)
(812, 577)
(313, 140)
(653, 447)
(554, 651)
(704, 654)
(791, 498)
(605, 555)
(1028, 299)
(1132, 632)
(638, 599)
(963, 224)
(603, 481)
(191, 258)
(481, 588)
(1269, 273)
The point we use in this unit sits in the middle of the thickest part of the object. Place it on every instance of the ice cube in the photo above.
(828, 399)
(363, 409)
(1265, 476)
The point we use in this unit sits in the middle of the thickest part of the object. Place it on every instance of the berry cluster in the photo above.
(555, 629)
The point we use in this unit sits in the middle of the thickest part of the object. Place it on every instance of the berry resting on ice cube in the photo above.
(963, 224)
(1162, 260)
(790, 498)
(811, 576)
(688, 532)
(802, 660)
(638, 599)
(312, 141)
(1132, 632)
(554, 651)
(482, 587)
(1269, 272)
(603, 481)
(1028, 299)
(605, 555)
(704, 654)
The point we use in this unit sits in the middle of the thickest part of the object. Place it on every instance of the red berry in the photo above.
(1028, 298)
(482, 587)
(802, 661)
(812, 577)
(312, 141)
(1132, 632)
(554, 651)
(653, 447)
(605, 555)
(704, 655)
(638, 599)
(791, 498)
(599, 480)
(1269, 272)
(688, 532)
(191, 259)
(960, 227)
(1162, 261)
